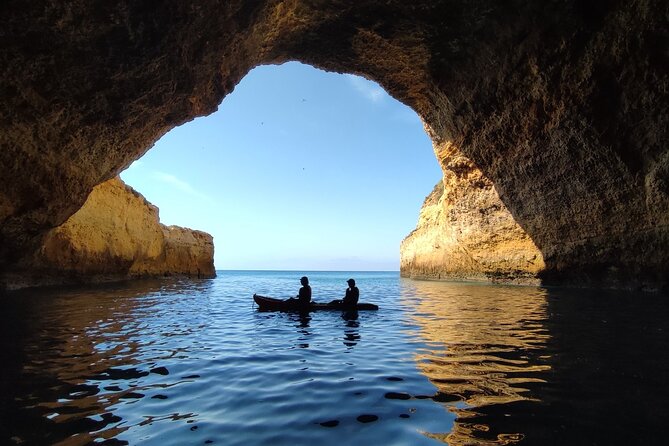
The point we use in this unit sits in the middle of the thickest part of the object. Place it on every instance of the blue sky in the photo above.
(299, 169)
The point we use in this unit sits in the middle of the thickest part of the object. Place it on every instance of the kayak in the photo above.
(272, 304)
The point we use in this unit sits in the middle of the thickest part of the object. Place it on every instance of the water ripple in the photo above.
(192, 362)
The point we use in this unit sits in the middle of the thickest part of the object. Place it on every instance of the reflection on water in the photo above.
(486, 347)
(351, 330)
(192, 362)
(68, 366)
(301, 321)
(183, 362)
(536, 366)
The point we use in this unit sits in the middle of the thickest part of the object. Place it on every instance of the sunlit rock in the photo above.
(117, 235)
(562, 106)
(466, 232)
(187, 252)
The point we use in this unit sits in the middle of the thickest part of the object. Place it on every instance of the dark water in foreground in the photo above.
(186, 363)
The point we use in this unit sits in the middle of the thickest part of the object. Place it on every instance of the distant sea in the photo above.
(193, 362)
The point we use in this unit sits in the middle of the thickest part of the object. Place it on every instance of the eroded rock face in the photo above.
(187, 252)
(465, 231)
(563, 106)
(116, 235)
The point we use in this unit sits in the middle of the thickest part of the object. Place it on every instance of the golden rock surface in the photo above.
(466, 232)
(562, 106)
(117, 235)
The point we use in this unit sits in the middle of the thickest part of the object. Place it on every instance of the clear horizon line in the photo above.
(317, 270)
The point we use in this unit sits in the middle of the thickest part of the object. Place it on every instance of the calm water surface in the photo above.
(176, 362)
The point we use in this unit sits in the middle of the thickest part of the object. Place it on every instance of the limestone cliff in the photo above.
(117, 235)
(465, 231)
(563, 106)
(187, 252)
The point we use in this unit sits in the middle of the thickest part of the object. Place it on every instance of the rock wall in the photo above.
(466, 232)
(569, 121)
(116, 235)
(563, 105)
(187, 252)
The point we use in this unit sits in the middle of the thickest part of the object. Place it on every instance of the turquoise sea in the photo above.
(193, 362)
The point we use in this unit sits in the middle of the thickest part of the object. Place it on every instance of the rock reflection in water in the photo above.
(544, 366)
(485, 348)
(193, 363)
(80, 353)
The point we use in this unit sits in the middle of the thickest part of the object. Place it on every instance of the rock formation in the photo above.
(117, 235)
(562, 105)
(465, 231)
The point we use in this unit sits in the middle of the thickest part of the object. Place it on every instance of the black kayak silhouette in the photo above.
(271, 304)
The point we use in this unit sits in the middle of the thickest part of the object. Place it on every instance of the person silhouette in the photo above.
(351, 297)
(303, 297)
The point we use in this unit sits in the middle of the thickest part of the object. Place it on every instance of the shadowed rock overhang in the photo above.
(562, 105)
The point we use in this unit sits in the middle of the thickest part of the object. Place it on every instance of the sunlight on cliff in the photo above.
(465, 231)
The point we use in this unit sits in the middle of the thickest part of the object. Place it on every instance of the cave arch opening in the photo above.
(298, 169)
(520, 98)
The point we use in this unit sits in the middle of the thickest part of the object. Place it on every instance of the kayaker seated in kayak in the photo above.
(351, 297)
(304, 296)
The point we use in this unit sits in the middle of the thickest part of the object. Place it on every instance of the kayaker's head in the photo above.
(304, 280)
(350, 282)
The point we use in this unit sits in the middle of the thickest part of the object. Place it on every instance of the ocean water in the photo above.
(181, 362)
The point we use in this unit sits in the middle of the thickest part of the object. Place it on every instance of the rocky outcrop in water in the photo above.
(117, 235)
(563, 106)
(466, 232)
